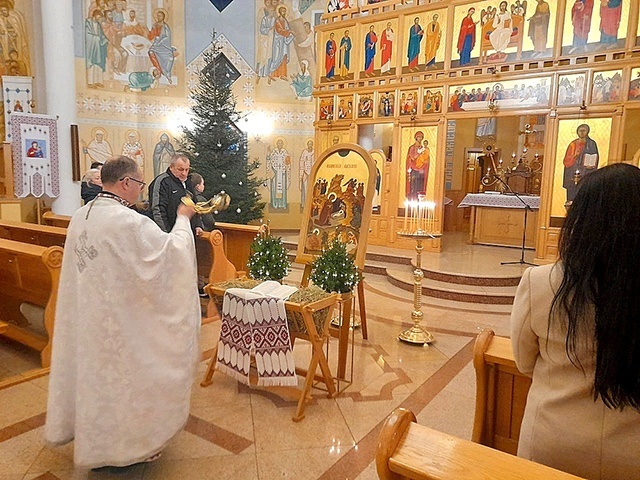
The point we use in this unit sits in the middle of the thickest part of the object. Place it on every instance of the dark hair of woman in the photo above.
(600, 291)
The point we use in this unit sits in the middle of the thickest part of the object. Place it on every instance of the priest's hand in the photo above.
(199, 231)
(188, 211)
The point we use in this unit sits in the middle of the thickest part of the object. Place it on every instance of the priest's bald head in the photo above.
(121, 175)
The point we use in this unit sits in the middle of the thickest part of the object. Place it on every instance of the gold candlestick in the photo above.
(416, 334)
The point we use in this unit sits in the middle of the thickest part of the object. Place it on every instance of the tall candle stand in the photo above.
(423, 221)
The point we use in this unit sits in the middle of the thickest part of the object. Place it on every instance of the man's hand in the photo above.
(199, 231)
(187, 211)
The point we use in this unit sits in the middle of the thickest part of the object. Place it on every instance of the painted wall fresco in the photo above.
(15, 50)
(16, 40)
(432, 100)
(571, 89)
(606, 86)
(634, 84)
(532, 92)
(379, 42)
(418, 150)
(583, 146)
(341, 54)
(134, 45)
(499, 31)
(275, 86)
(593, 26)
(424, 41)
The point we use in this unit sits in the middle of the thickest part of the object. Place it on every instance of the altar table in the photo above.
(499, 219)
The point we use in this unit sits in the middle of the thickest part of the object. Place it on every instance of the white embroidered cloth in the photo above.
(255, 324)
(499, 201)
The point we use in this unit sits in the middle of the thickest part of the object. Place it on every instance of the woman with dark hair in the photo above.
(575, 329)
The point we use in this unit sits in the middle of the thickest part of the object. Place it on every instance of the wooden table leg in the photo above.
(211, 369)
(343, 338)
(363, 311)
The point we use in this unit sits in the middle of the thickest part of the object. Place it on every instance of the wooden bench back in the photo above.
(408, 450)
(29, 273)
(43, 235)
(501, 393)
(55, 220)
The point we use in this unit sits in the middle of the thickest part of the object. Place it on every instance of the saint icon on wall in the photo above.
(418, 160)
(132, 148)
(306, 163)
(386, 47)
(434, 34)
(580, 159)
(98, 150)
(365, 107)
(467, 37)
(385, 109)
(345, 54)
(539, 28)
(279, 169)
(330, 57)
(415, 37)
(370, 42)
(162, 153)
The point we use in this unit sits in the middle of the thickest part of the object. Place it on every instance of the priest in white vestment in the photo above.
(126, 331)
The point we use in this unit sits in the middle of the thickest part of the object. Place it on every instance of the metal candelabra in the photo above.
(419, 225)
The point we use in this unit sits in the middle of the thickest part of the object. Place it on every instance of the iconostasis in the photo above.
(450, 80)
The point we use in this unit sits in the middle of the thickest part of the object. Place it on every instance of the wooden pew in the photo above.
(501, 393)
(236, 244)
(213, 256)
(42, 235)
(54, 220)
(408, 450)
(29, 273)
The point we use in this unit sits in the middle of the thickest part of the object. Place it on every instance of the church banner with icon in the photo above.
(35, 155)
(339, 202)
(17, 96)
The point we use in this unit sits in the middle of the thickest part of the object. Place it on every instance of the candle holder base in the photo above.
(417, 336)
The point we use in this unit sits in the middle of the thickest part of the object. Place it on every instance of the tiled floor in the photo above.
(235, 432)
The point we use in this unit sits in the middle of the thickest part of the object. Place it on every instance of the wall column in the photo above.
(60, 82)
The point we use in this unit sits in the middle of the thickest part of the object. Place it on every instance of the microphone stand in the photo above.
(522, 261)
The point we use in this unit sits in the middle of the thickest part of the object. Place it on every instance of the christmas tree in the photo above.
(217, 148)
(334, 270)
(269, 259)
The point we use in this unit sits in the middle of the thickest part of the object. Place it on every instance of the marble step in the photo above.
(478, 294)
(381, 284)
(505, 278)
